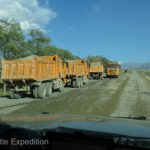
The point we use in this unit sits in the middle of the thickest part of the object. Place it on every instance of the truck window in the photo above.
(112, 66)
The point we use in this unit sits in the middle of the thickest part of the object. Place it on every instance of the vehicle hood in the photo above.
(112, 125)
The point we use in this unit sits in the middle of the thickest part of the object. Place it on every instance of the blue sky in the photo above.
(116, 29)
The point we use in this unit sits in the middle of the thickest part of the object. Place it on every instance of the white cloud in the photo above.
(27, 12)
(26, 25)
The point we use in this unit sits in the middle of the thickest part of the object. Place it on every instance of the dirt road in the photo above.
(127, 95)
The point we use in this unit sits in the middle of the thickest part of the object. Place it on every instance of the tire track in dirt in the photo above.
(128, 95)
(134, 101)
(12, 106)
(143, 103)
(9, 105)
(113, 101)
(86, 100)
(69, 101)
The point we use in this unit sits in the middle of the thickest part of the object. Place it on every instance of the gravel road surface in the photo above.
(127, 95)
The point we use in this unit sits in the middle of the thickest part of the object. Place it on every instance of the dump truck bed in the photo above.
(35, 69)
(97, 67)
(76, 68)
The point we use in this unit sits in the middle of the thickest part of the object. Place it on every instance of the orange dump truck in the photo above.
(33, 75)
(77, 72)
(112, 69)
(96, 70)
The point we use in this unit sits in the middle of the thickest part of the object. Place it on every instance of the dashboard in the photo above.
(20, 138)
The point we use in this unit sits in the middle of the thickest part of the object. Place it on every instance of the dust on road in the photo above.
(8, 105)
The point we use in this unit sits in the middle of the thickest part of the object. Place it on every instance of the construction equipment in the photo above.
(112, 69)
(33, 75)
(77, 72)
(96, 70)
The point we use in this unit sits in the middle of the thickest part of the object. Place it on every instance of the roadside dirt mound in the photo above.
(70, 61)
(31, 57)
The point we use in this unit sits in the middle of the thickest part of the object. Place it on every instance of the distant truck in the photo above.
(112, 69)
(125, 71)
(77, 72)
(33, 75)
(96, 70)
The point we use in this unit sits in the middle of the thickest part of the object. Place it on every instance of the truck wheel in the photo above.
(85, 80)
(61, 86)
(11, 93)
(77, 83)
(48, 89)
(81, 82)
(17, 95)
(35, 92)
(73, 83)
(42, 91)
(86, 83)
(100, 77)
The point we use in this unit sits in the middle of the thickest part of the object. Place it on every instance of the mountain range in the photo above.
(135, 65)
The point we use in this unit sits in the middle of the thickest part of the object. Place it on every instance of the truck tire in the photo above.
(81, 82)
(11, 93)
(100, 77)
(85, 83)
(73, 83)
(78, 82)
(17, 95)
(48, 89)
(42, 91)
(35, 92)
(85, 80)
(61, 86)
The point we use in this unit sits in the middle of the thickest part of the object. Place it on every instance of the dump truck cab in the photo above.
(112, 69)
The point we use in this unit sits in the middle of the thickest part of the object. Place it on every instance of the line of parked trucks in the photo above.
(41, 75)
